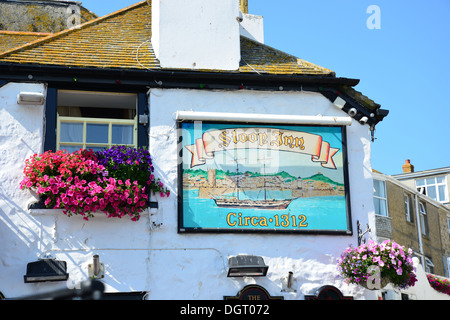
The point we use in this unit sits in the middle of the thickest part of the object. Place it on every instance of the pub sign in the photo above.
(262, 178)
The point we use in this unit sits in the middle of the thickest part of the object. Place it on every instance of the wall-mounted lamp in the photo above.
(352, 112)
(363, 120)
(28, 98)
(247, 266)
(96, 270)
(46, 270)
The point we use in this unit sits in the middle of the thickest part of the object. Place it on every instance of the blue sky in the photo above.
(403, 65)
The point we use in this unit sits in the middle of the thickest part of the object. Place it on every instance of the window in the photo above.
(448, 224)
(423, 218)
(408, 208)
(435, 188)
(95, 120)
(429, 266)
(380, 197)
(448, 267)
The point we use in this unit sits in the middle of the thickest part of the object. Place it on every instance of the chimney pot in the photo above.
(408, 167)
(243, 6)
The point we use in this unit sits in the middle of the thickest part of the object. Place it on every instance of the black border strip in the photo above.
(182, 230)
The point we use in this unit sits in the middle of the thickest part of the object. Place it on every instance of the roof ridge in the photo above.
(26, 33)
(36, 43)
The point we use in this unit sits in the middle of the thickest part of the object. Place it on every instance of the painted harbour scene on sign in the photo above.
(237, 177)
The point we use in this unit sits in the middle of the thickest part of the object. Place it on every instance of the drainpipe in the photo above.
(419, 229)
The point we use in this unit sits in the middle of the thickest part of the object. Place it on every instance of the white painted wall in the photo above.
(198, 261)
(196, 34)
(123, 246)
(142, 257)
(21, 133)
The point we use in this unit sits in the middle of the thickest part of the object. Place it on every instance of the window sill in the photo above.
(382, 216)
(39, 209)
(59, 212)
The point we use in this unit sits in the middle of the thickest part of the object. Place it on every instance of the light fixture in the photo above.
(96, 270)
(46, 270)
(363, 120)
(29, 98)
(247, 266)
(352, 112)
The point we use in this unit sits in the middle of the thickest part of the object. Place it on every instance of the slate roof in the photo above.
(122, 40)
(13, 39)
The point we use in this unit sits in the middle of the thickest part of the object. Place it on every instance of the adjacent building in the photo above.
(412, 209)
(414, 220)
(434, 183)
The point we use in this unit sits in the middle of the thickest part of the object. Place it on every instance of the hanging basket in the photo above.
(387, 262)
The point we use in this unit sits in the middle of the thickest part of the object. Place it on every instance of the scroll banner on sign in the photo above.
(262, 138)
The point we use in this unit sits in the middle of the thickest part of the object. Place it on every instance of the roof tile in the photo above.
(122, 40)
(13, 39)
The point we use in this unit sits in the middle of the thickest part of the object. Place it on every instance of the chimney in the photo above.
(196, 34)
(251, 26)
(408, 167)
(243, 6)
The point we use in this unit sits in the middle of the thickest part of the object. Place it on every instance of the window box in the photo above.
(115, 181)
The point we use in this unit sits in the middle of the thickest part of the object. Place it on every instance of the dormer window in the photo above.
(434, 187)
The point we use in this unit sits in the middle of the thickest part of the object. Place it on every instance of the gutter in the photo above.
(167, 77)
(128, 79)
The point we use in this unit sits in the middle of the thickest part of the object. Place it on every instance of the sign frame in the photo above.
(181, 125)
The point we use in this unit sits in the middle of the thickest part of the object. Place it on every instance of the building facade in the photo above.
(433, 183)
(266, 156)
(414, 220)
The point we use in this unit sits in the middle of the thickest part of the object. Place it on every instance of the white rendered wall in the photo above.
(21, 133)
(26, 236)
(198, 262)
(196, 34)
(141, 257)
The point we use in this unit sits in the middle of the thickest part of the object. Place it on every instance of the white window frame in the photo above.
(85, 121)
(381, 199)
(429, 265)
(448, 267)
(408, 208)
(423, 218)
(422, 188)
(448, 224)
